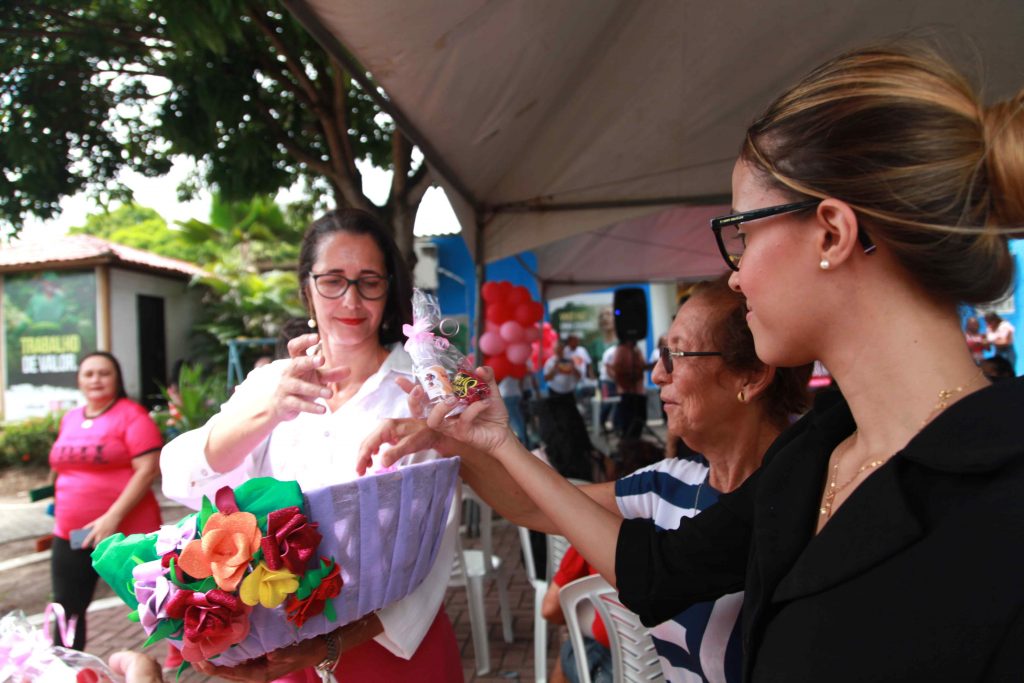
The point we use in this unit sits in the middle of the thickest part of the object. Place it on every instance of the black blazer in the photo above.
(918, 576)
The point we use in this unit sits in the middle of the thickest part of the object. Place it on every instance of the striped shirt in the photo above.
(701, 644)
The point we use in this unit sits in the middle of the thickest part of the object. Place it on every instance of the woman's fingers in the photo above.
(435, 418)
(407, 384)
(402, 436)
(384, 433)
(419, 402)
(328, 375)
(297, 346)
(421, 439)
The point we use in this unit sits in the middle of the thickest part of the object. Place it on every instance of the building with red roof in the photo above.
(62, 298)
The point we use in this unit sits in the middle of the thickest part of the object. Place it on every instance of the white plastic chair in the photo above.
(469, 570)
(634, 658)
(556, 547)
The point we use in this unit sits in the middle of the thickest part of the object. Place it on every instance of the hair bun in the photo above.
(1004, 142)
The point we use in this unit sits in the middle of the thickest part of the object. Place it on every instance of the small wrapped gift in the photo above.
(442, 370)
(27, 653)
(265, 566)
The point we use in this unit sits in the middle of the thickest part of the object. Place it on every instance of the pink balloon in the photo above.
(512, 332)
(518, 353)
(492, 344)
(532, 333)
(491, 327)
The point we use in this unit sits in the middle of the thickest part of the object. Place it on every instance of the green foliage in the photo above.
(197, 398)
(143, 228)
(88, 89)
(249, 250)
(28, 442)
(246, 235)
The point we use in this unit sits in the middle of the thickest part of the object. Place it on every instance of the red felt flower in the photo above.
(214, 621)
(301, 610)
(291, 540)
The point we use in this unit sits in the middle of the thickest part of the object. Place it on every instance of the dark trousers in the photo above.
(632, 414)
(565, 437)
(74, 582)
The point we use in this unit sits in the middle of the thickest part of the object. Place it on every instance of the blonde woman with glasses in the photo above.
(881, 539)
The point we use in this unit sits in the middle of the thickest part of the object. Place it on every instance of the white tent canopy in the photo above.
(547, 119)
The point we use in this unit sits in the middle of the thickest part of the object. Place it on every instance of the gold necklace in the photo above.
(833, 488)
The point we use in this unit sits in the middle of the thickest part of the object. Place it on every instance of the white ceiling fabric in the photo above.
(635, 105)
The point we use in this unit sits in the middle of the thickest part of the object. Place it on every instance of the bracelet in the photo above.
(326, 667)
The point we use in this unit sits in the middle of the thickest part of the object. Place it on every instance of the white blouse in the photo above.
(317, 451)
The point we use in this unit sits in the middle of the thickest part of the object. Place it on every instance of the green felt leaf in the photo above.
(165, 628)
(205, 511)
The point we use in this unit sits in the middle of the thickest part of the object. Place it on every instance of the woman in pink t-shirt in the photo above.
(106, 457)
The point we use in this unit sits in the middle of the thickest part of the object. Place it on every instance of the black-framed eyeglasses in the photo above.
(667, 354)
(732, 242)
(334, 285)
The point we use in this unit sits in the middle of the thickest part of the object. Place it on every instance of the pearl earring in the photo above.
(742, 398)
(312, 323)
(824, 264)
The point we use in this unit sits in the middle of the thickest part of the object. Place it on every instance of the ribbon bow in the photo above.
(418, 334)
(65, 627)
(26, 652)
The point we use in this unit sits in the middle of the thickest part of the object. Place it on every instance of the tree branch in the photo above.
(300, 155)
(72, 33)
(340, 101)
(292, 63)
(274, 67)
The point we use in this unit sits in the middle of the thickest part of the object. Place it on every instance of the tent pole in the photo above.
(481, 277)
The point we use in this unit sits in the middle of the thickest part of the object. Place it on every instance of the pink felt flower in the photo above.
(214, 621)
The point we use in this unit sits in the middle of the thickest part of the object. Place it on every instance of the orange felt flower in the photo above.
(225, 549)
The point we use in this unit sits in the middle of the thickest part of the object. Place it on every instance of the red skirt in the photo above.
(436, 660)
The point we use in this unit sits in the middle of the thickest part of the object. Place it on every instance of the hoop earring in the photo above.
(741, 396)
(824, 264)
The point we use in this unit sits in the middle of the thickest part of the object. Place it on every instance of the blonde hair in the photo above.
(899, 134)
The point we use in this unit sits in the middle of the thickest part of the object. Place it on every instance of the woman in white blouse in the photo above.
(303, 418)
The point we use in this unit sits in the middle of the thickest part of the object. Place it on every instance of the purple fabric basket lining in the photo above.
(386, 533)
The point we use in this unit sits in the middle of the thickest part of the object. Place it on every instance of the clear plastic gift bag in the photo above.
(441, 368)
(27, 653)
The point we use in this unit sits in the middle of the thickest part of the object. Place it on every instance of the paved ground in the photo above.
(21, 520)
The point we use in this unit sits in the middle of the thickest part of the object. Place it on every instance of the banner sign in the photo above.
(49, 321)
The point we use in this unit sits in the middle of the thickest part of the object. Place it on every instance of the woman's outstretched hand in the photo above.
(304, 380)
(483, 427)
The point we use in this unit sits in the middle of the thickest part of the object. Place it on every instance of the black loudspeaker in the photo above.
(630, 305)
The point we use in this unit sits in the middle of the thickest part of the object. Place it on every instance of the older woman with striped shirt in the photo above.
(725, 404)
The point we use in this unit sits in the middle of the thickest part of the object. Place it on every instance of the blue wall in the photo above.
(1016, 316)
(456, 299)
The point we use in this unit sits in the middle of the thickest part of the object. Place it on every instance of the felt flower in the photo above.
(301, 609)
(291, 540)
(172, 537)
(213, 622)
(267, 587)
(225, 549)
(153, 591)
